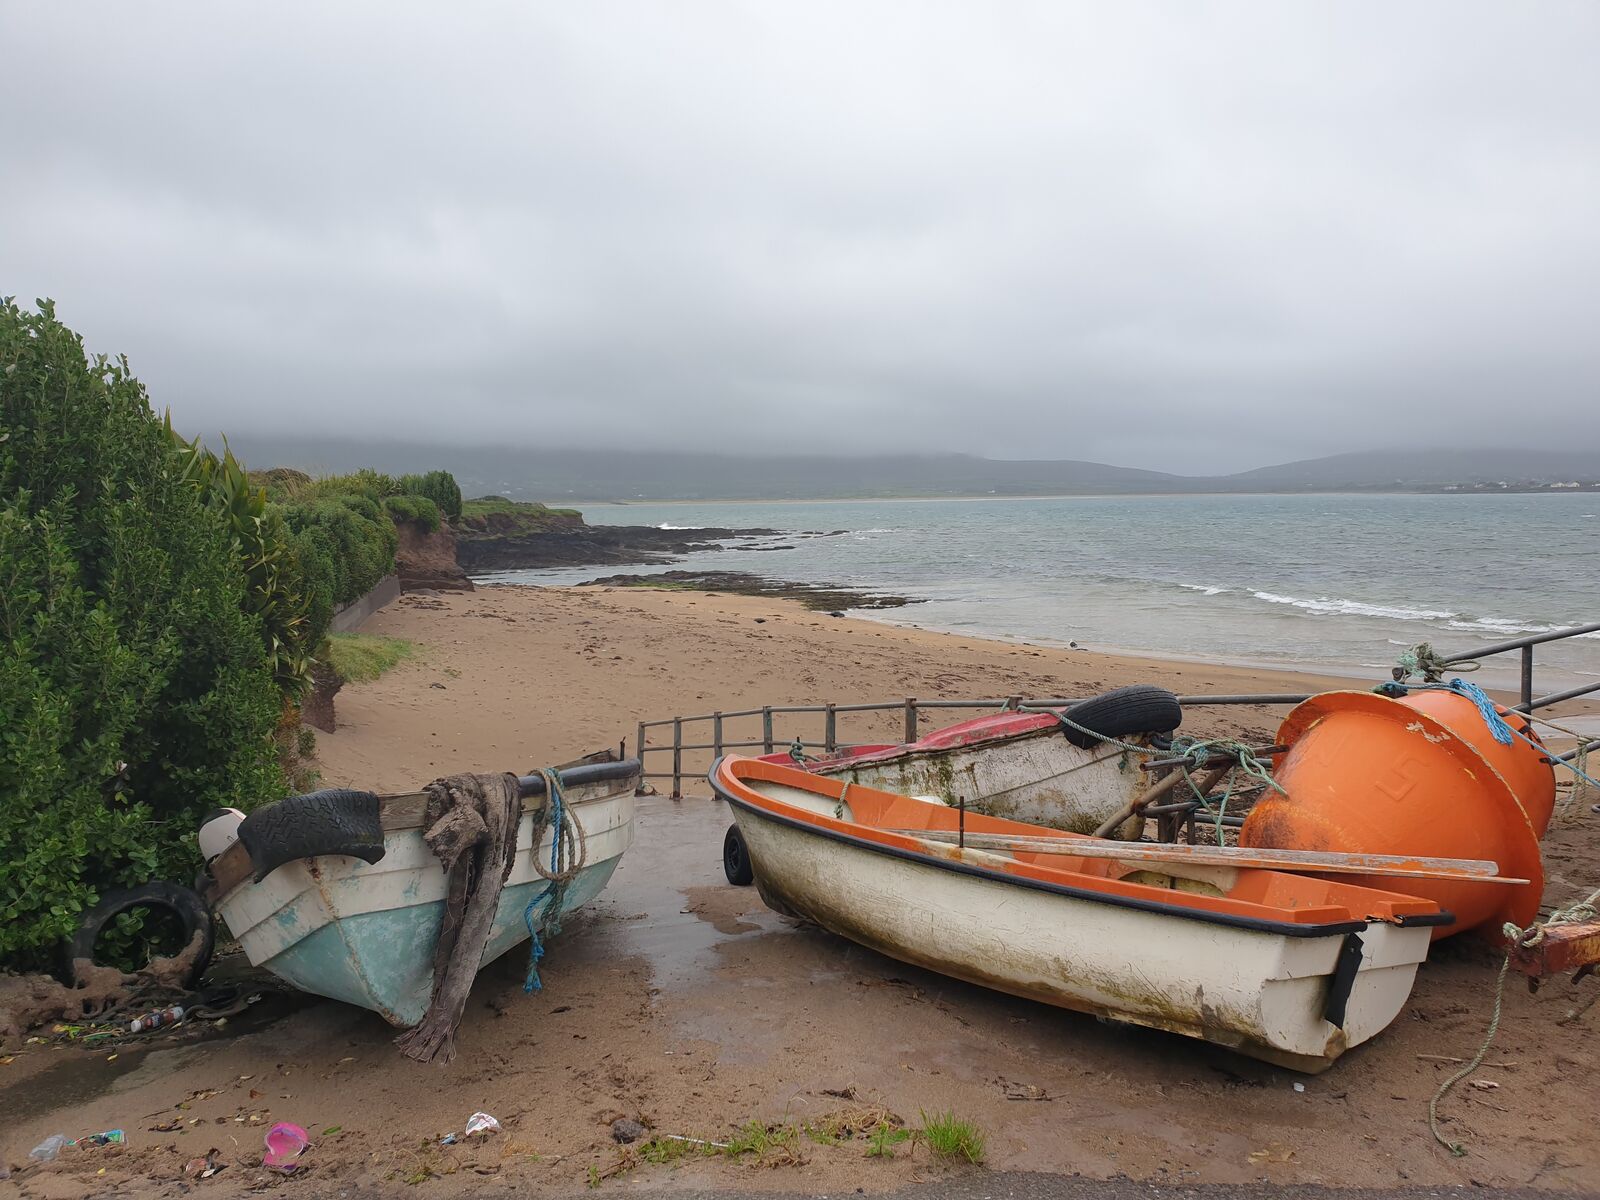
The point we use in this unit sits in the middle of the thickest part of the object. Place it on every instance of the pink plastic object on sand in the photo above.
(285, 1144)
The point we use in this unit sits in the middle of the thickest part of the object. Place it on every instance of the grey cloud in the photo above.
(1231, 233)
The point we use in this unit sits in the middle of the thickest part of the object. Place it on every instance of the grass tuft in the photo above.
(362, 657)
(882, 1140)
(950, 1137)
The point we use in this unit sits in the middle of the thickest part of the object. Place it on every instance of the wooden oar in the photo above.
(1400, 866)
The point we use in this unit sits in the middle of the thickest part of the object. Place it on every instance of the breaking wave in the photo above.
(1203, 589)
(1339, 607)
(669, 525)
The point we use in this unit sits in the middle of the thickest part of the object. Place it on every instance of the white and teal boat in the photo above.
(364, 931)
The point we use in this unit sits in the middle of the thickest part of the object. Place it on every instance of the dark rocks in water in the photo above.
(822, 597)
(578, 545)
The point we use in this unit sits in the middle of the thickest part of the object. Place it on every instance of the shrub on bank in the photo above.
(348, 542)
(440, 487)
(419, 510)
(276, 591)
(136, 693)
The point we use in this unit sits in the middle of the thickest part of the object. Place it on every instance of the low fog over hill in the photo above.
(595, 475)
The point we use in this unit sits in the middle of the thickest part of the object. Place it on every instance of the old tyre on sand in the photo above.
(183, 904)
(1138, 708)
(736, 859)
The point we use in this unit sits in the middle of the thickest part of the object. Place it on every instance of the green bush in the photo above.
(418, 510)
(348, 544)
(135, 691)
(275, 592)
(440, 487)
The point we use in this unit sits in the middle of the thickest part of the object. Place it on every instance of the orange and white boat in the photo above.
(1283, 967)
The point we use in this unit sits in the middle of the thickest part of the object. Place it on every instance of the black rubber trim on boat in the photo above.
(1443, 917)
(1137, 708)
(1345, 969)
(1255, 924)
(335, 821)
(601, 772)
(191, 910)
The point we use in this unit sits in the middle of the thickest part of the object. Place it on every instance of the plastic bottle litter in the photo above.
(157, 1019)
(50, 1148)
(111, 1137)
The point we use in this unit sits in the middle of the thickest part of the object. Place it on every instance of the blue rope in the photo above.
(554, 806)
(1504, 732)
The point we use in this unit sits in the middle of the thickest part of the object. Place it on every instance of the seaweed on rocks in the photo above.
(822, 597)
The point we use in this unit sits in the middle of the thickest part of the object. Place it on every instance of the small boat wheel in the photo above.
(736, 859)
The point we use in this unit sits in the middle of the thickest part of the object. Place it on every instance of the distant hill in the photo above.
(1421, 468)
(622, 475)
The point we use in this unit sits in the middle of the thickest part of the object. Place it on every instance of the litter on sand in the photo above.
(285, 1144)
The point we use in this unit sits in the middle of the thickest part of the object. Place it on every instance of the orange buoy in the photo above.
(1526, 769)
(1367, 774)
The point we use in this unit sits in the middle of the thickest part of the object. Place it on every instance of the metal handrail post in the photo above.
(766, 730)
(716, 734)
(1527, 674)
(677, 758)
(830, 728)
(911, 719)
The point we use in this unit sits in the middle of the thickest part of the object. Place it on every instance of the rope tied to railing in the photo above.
(1502, 730)
(569, 854)
(1427, 664)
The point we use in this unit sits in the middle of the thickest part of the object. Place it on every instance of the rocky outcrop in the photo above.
(427, 561)
(823, 597)
(580, 545)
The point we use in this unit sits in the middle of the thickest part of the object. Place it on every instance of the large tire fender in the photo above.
(1138, 708)
(332, 821)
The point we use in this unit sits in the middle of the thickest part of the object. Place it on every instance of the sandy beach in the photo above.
(519, 677)
(682, 1002)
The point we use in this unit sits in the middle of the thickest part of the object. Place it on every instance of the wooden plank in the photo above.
(1558, 948)
(1396, 865)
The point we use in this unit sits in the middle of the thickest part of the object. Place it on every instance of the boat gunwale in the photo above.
(1187, 911)
(403, 811)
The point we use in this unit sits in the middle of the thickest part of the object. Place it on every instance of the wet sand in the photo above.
(682, 1002)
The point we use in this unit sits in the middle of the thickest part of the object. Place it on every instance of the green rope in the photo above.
(1197, 751)
(1456, 1148)
(1427, 664)
(1194, 753)
(1581, 910)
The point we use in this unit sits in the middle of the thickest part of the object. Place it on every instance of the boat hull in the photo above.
(1012, 765)
(1262, 993)
(365, 933)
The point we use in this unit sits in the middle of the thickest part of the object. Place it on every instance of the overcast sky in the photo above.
(1237, 233)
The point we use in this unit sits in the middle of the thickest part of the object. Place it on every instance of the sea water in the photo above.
(1339, 582)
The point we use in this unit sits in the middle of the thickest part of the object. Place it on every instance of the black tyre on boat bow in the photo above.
(1138, 708)
(332, 821)
(736, 859)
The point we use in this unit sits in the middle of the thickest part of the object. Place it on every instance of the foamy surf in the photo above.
(1340, 607)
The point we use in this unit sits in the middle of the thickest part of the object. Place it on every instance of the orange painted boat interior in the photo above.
(1254, 893)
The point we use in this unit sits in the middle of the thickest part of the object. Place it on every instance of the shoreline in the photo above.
(679, 1001)
(613, 657)
(1497, 676)
(1537, 491)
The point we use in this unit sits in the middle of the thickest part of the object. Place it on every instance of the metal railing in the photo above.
(822, 724)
